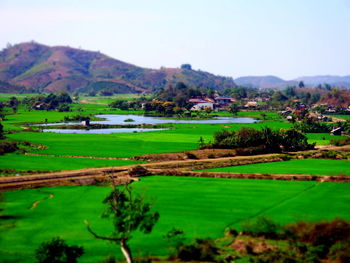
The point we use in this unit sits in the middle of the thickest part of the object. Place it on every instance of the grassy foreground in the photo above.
(202, 207)
(304, 166)
(46, 163)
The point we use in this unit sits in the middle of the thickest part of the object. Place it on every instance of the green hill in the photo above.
(37, 67)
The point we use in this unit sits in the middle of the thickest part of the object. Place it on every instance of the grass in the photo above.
(108, 99)
(304, 166)
(252, 114)
(344, 117)
(7, 96)
(321, 138)
(202, 207)
(46, 163)
(180, 137)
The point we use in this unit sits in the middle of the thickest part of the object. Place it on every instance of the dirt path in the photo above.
(166, 168)
(336, 119)
(35, 204)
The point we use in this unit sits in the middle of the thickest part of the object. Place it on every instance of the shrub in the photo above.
(200, 250)
(265, 140)
(191, 155)
(329, 154)
(175, 238)
(63, 107)
(262, 226)
(340, 142)
(322, 235)
(139, 171)
(8, 147)
(57, 251)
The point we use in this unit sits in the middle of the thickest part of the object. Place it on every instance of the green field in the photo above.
(179, 137)
(202, 207)
(321, 138)
(108, 99)
(7, 96)
(344, 117)
(304, 166)
(46, 163)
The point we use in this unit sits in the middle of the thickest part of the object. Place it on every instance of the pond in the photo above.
(138, 120)
(102, 131)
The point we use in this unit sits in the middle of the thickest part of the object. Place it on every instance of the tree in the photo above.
(128, 214)
(234, 108)
(57, 251)
(1, 131)
(186, 66)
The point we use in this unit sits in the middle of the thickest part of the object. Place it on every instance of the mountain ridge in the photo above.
(270, 81)
(37, 67)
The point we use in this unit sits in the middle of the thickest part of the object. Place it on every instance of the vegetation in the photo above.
(59, 102)
(340, 142)
(299, 242)
(303, 166)
(266, 139)
(57, 251)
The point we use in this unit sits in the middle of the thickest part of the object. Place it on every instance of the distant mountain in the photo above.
(278, 83)
(36, 67)
(264, 82)
(332, 80)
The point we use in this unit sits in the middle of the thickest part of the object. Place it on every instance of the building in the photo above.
(224, 100)
(336, 131)
(202, 106)
(85, 122)
(251, 104)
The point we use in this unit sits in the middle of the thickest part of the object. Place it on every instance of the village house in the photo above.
(197, 101)
(85, 122)
(251, 104)
(202, 106)
(224, 100)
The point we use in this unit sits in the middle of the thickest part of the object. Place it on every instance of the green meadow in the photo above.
(344, 117)
(304, 166)
(179, 137)
(21, 162)
(202, 207)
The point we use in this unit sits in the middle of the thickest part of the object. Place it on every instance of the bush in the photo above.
(57, 251)
(191, 155)
(8, 147)
(263, 226)
(63, 107)
(78, 117)
(329, 154)
(340, 142)
(139, 171)
(200, 250)
(266, 140)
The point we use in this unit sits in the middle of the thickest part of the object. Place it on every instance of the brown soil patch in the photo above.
(196, 154)
(244, 247)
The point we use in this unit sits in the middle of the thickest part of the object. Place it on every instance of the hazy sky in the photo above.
(226, 37)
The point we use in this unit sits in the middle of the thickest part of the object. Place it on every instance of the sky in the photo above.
(289, 38)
